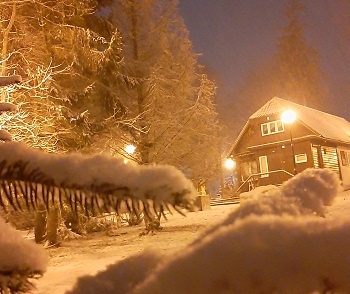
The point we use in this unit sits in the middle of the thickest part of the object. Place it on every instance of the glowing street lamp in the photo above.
(230, 163)
(130, 149)
(288, 117)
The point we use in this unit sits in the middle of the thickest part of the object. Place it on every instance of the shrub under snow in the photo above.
(20, 260)
(276, 243)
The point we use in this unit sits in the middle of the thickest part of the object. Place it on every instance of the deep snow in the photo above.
(176, 247)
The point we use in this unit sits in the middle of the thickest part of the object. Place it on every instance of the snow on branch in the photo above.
(98, 182)
(10, 80)
(20, 261)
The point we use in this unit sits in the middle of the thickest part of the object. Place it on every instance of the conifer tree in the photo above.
(296, 71)
(64, 51)
(164, 95)
(292, 74)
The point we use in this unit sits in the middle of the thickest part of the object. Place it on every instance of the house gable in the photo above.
(253, 134)
(309, 123)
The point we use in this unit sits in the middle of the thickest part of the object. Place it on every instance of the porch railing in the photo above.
(253, 179)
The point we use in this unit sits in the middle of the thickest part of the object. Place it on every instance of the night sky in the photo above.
(235, 36)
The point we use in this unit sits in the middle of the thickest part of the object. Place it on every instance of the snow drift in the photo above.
(20, 260)
(277, 243)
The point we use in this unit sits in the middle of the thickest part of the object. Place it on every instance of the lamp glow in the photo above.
(230, 163)
(289, 116)
(130, 149)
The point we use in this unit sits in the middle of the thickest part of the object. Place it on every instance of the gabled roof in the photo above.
(321, 123)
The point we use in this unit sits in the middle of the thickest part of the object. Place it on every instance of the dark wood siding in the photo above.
(253, 135)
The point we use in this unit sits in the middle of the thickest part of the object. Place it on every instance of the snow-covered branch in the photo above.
(97, 182)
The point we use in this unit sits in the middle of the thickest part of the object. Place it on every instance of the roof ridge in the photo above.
(284, 103)
(313, 109)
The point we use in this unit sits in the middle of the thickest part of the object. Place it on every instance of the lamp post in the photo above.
(288, 117)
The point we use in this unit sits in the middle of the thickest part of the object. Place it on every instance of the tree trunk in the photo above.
(52, 226)
(221, 177)
(40, 224)
(5, 41)
(141, 93)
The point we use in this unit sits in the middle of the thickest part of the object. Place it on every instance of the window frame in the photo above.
(269, 125)
(300, 160)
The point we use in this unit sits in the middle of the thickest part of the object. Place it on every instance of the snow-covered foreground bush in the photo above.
(20, 260)
(277, 243)
(98, 181)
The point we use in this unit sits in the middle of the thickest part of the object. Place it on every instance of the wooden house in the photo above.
(268, 151)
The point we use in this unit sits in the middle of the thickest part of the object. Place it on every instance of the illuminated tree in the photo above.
(64, 60)
(167, 97)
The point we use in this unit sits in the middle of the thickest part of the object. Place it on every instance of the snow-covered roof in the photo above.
(326, 125)
(323, 124)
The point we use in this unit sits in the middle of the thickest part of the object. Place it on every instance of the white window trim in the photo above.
(269, 129)
(296, 156)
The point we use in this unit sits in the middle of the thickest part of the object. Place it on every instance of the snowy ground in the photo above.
(88, 256)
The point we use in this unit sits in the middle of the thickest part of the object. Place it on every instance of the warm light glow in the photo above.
(230, 163)
(288, 116)
(130, 149)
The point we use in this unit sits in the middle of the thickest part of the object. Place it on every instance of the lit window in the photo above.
(272, 128)
(264, 129)
(280, 127)
(300, 158)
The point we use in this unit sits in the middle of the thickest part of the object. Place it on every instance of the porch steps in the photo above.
(226, 201)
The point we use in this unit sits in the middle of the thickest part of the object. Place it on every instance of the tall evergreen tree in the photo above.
(296, 71)
(293, 73)
(165, 93)
(64, 51)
